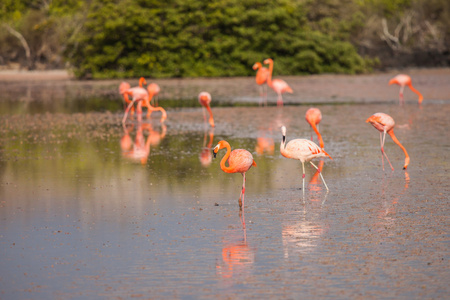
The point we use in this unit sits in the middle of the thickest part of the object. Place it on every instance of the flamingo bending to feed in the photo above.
(124, 86)
(302, 150)
(204, 98)
(384, 123)
(262, 73)
(278, 85)
(404, 80)
(313, 117)
(239, 161)
(140, 95)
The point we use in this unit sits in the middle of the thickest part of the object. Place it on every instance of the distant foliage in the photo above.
(189, 38)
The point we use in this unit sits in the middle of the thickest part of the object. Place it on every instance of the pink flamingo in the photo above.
(303, 150)
(313, 117)
(124, 86)
(262, 73)
(205, 99)
(278, 85)
(140, 95)
(239, 161)
(384, 123)
(404, 80)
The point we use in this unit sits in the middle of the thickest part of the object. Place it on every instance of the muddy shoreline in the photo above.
(433, 83)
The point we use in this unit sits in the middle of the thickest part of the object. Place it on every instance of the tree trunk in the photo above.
(22, 41)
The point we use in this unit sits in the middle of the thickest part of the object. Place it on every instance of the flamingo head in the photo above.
(406, 163)
(256, 66)
(393, 81)
(123, 87)
(268, 61)
(219, 146)
(283, 130)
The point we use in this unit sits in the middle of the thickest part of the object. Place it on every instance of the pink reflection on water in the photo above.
(145, 137)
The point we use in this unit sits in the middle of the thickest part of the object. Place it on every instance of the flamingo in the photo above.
(205, 99)
(262, 73)
(384, 123)
(303, 150)
(239, 161)
(313, 117)
(140, 95)
(153, 90)
(402, 80)
(278, 85)
(124, 86)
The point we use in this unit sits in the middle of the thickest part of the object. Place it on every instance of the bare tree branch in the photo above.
(22, 41)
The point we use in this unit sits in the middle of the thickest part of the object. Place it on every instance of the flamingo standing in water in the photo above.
(239, 161)
(384, 123)
(313, 117)
(262, 73)
(303, 150)
(139, 95)
(404, 80)
(278, 85)
(124, 86)
(205, 99)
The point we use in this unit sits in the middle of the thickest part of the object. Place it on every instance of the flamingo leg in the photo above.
(261, 95)
(383, 152)
(303, 177)
(241, 204)
(320, 173)
(126, 111)
(402, 100)
(280, 100)
(204, 114)
(265, 94)
(242, 195)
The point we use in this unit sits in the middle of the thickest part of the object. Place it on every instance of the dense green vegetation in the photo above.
(189, 38)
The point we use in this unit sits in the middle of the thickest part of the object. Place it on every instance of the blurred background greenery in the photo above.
(191, 38)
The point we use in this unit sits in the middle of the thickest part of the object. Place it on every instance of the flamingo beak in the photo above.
(215, 150)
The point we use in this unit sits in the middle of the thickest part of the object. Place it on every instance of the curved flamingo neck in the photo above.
(225, 158)
(313, 125)
(142, 81)
(211, 119)
(394, 138)
(417, 92)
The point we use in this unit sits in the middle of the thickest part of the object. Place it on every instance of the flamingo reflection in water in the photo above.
(237, 258)
(205, 155)
(264, 142)
(386, 219)
(301, 231)
(139, 150)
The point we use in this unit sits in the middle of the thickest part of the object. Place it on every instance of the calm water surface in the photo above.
(90, 210)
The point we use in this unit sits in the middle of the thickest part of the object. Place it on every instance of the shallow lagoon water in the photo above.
(89, 210)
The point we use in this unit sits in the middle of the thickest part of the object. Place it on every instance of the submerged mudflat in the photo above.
(90, 209)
